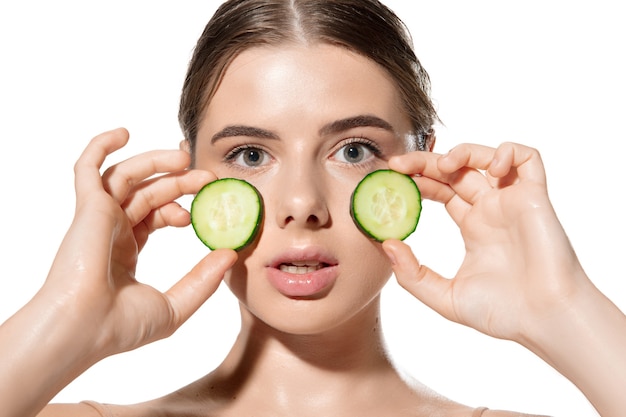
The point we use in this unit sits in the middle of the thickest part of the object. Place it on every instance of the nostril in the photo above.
(303, 209)
(312, 220)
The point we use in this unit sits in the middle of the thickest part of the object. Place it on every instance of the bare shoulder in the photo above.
(502, 413)
(432, 403)
(95, 409)
(476, 412)
(70, 410)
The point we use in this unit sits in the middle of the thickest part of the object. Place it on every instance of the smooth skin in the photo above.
(303, 174)
(520, 279)
(91, 297)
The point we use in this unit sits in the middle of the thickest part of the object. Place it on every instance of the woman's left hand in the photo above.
(519, 266)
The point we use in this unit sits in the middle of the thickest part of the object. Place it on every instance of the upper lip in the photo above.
(309, 255)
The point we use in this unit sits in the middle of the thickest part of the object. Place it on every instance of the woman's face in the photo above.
(304, 124)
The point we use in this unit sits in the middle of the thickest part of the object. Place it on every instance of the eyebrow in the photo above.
(242, 130)
(336, 126)
(356, 121)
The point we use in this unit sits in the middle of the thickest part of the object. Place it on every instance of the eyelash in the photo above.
(361, 140)
(234, 153)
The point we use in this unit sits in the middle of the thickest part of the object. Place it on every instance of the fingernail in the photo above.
(390, 254)
(494, 164)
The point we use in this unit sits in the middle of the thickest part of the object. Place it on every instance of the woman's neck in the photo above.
(296, 372)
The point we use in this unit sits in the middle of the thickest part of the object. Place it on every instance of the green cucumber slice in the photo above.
(227, 213)
(386, 204)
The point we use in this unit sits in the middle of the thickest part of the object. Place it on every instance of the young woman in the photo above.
(302, 99)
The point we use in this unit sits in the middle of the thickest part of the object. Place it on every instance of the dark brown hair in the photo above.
(366, 27)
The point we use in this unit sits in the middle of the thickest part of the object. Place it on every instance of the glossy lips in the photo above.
(302, 267)
(303, 273)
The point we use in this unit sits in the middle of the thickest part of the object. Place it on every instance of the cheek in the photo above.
(237, 278)
(369, 262)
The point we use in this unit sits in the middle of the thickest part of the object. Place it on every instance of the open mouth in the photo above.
(307, 272)
(301, 268)
(303, 275)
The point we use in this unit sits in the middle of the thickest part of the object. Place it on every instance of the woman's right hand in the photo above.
(91, 304)
(115, 213)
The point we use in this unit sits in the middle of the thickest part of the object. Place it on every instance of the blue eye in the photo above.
(248, 156)
(355, 152)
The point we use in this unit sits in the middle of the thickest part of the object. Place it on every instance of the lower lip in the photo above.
(302, 285)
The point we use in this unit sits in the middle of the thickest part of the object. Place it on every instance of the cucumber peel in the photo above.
(386, 204)
(227, 213)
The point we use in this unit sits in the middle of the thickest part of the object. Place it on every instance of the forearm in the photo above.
(41, 350)
(587, 344)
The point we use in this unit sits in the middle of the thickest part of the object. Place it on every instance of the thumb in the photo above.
(188, 294)
(425, 284)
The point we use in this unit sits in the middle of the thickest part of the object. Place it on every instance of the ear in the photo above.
(425, 141)
(184, 146)
(430, 140)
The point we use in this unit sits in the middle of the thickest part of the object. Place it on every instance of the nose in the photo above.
(302, 200)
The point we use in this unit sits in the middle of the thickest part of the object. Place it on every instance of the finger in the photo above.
(497, 162)
(422, 166)
(87, 167)
(160, 191)
(187, 295)
(119, 179)
(171, 214)
(467, 155)
(426, 285)
(466, 166)
(507, 165)
(469, 184)
(526, 161)
(433, 190)
(466, 183)
(416, 163)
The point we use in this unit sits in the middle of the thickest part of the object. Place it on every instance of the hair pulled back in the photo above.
(366, 27)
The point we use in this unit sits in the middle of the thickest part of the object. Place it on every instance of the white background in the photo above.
(549, 74)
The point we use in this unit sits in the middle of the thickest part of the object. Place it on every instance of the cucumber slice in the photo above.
(227, 213)
(386, 204)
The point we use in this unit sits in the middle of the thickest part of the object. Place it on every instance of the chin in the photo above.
(310, 317)
(327, 299)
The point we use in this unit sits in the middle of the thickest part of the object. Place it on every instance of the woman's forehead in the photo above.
(305, 82)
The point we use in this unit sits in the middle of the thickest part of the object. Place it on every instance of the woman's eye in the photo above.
(354, 153)
(248, 157)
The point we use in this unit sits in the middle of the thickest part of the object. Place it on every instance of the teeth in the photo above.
(300, 268)
(305, 263)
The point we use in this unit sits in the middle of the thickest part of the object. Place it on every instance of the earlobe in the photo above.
(184, 146)
(424, 142)
(430, 141)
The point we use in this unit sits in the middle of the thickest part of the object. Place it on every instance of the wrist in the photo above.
(44, 347)
(583, 336)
